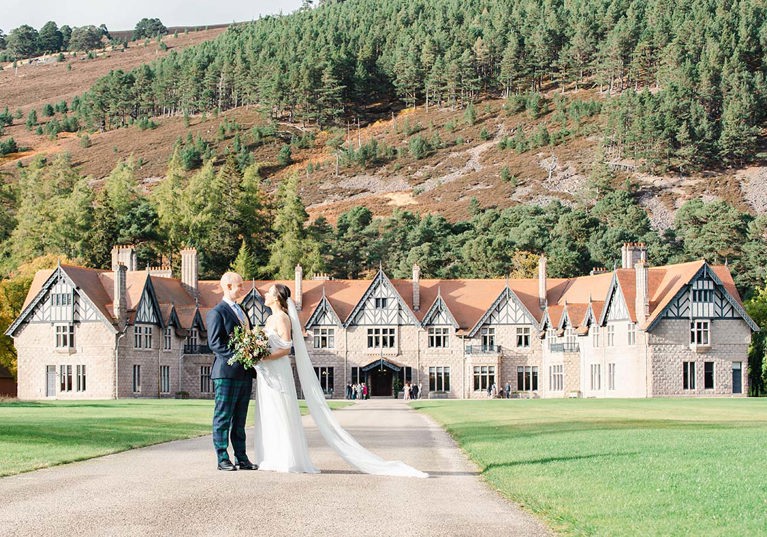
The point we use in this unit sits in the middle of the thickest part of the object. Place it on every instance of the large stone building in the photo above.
(638, 331)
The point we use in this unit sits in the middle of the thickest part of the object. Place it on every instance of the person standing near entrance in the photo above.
(348, 391)
(414, 391)
(364, 391)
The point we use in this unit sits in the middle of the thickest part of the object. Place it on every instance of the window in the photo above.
(357, 375)
(61, 299)
(325, 375)
(439, 379)
(527, 378)
(488, 338)
(556, 378)
(324, 338)
(167, 340)
(142, 337)
(164, 379)
(610, 335)
(205, 379)
(610, 376)
(595, 336)
(380, 303)
(136, 378)
(596, 376)
(632, 339)
(708, 375)
(381, 338)
(65, 336)
(439, 338)
(703, 295)
(80, 378)
(484, 376)
(699, 333)
(65, 375)
(571, 339)
(523, 336)
(688, 375)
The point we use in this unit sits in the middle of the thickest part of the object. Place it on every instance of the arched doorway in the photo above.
(380, 376)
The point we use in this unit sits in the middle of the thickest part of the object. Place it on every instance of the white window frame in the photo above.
(136, 378)
(523, 337)
(439, 378)
(326, 376)
(611, 376)
(611, 335)
(596, 377)
(380, 335)
(65, 336)
(700, 333)
(324, 338)
(439, 337)
(485, 374)
(632, 334)
(488, 337)
(81, 384)
(164, 379)
(167, 339)
(205, 382)
(556, 378)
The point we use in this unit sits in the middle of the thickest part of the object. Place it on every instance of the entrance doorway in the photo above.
(380, 382)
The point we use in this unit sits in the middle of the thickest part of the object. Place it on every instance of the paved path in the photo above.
(174, 489)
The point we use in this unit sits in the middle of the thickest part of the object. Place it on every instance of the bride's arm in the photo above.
(282, 327)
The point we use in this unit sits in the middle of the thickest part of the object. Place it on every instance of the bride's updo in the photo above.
(283, 294)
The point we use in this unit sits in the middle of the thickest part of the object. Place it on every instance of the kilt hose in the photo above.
(229, 416)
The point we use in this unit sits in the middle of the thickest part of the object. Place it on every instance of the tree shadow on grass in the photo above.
(547, 460)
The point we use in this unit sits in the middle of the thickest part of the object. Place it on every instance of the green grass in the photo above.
(39, 434)
(622, 467)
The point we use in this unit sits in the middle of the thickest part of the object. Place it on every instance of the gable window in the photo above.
(380, 303)
(700, 332)
(142, 336)
(703, 295)
(488, 338)
(65, 376)
(439, 379)
(61, 299)
(523, 337)
(610, 335)
(688, 375)
(65, 336)
(381, 338)
(708, 375)
(632, 334)
(167, 339)
(324, 338)
(439, 337)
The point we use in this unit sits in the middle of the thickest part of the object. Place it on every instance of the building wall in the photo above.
(629, 359)
(669, 346)
(93, 348)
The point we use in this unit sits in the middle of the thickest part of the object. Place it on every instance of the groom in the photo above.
(232, 384)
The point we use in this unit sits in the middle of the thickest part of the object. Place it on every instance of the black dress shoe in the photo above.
(246, 465)
(226, 465)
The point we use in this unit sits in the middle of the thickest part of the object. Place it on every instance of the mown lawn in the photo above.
(46, 433)
(622, 467)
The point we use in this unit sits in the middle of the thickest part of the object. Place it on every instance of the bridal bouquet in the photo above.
(249, 346)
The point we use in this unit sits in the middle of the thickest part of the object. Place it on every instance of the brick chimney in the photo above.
(542, 281)
(120, 298)
(416, 288)
(124, 255)
(189, 270)
(632, 253)
(642, 291)
(299, 287)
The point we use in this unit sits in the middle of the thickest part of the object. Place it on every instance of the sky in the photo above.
(123, 15)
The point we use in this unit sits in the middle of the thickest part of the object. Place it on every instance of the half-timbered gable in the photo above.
(323, 315)
(507, 309)
(253, 304)
(616, 308)
(381, 305)
(148, 309)
(439, 315)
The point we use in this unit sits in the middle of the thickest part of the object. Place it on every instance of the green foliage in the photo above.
(86, 39)
(32, 119)
(371, 153)
(148, 28)
(418, 147)
(470, 115)
(85, 141)
(8, 146)
(484, 134)
(6, 119)
(285, 157)
(145, 123)
(48, 110)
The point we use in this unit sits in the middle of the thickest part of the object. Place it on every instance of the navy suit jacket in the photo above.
(221, 322)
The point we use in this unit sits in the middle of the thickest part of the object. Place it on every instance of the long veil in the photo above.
(336, 437)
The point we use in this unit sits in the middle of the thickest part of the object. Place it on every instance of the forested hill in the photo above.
(688, 75)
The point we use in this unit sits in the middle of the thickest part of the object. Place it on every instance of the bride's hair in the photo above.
(283, 294)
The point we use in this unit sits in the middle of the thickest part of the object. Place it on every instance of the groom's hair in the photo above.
(230, 277)
(283, 294)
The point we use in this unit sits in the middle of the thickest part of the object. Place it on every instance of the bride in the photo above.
(280, 440)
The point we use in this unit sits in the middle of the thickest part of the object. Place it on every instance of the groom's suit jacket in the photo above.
(221, 322)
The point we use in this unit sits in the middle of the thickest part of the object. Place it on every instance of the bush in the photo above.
(85, 141)
(484, 134)
(536, 105)
(62, 107)
(8, 146)
(470, 115)
(32, 119)
(514, 103)
(145, 123)
(6, 120)
(370, 153)
(418, 147)
(285, 157)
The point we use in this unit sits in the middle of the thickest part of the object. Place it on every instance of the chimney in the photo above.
(299, 286)
(632, 253)
(416, 288)
(189, 270)
(124, 255)
(642, 292)
(542, 281)
(120, 298)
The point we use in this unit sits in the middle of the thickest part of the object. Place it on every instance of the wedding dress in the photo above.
(280, 439)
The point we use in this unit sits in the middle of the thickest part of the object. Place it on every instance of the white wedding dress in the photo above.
(280, 440)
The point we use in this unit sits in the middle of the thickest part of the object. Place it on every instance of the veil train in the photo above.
(336, 437)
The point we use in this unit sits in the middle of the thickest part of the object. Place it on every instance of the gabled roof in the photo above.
(320, 309)
(437, 306)
(382, 279)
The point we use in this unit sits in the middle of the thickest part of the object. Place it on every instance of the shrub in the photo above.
(514, 103)
(62, 107)
(32, 119)
(85, 141)
(470, 115)
(418, 147)
(285, 157)
(8, 146)
(6, 120)
(484, 134)
(536, 105)
(145, 123)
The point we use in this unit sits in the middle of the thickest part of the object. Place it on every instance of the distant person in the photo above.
(508, 390)
(364, 391)
(348, 391)
(489, 390)
(414, 393)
